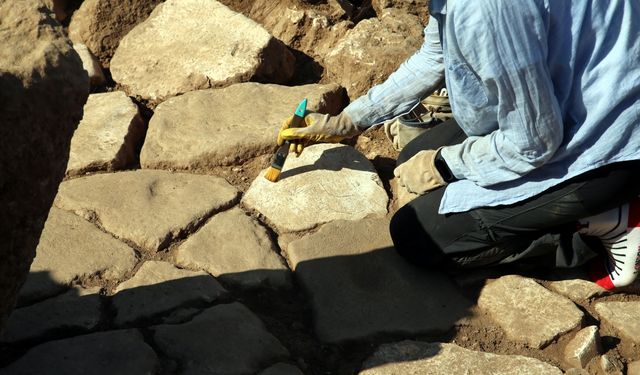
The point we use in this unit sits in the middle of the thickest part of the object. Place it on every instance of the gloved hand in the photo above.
(320, 128)
(419, 174)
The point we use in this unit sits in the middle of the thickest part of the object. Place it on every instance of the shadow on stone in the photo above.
(333, 159)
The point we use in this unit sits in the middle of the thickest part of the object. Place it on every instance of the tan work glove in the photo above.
(419, 174)
(319, 128)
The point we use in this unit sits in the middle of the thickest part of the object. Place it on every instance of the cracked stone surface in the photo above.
(159, 287)
(360, 287)
(412, 357)
(237, 249)
(623, 316)
(148, 207)
(528, 312)
(107, 136)
(77, 309)
(576, 289)
(225, 339)
(213, 127)
(583, 347)
(327, 182)
(190, 52)
(104, 353)
(71, 248)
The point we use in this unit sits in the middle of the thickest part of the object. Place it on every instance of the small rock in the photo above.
(225, 339)
(583, 347)
(185, 133)
(90, 64)
(412, 357)
(71, 248)
(102, 353)
(610, 367)
(101, 24)
(327, 182)
(528, 312)
(108, 135)
(176, 50)
(282, 369)
(78, 309)
(623, 316)
(235, 248)
(372, 50)
(360, 287)
(159, 287)
(149, 208)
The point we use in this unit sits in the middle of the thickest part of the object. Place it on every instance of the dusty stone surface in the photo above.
(150, 208)
(103, 353)
(633, 368)
(527, 311)
(576, 289)
(419, 8)
(360, 287)
(235, 248)
(42, 90)
(90, 64)
(208, 128)
(101, 24)
(412, 357)
(158, 287)
(77, 309)
(372, 50)
(583, 347)
(190, 52)
(225, 339)
(71, 248)
(623, 316)
(327, 182)
(282, 369)
(107, 136)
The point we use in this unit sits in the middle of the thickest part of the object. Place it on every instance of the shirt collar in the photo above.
(438, 7)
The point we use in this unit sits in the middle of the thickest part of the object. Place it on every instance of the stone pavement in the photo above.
(152, 262)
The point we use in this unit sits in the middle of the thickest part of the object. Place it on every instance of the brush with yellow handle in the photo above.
(302, 129)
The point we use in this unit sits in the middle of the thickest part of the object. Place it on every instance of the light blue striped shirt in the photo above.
(545, 90)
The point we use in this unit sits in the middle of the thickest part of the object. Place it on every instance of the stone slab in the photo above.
(623, 316)
(412, 357)
(76, 310)
(70, 249)
(528, 312)
(583, 347)
(577, 290)
(107, 137)
(150, 208)
(190, 52)
(235, 248)
(359, 287)
(207, 128)
(327, 182)
(104, 353)
(160, 287)
(225, 339)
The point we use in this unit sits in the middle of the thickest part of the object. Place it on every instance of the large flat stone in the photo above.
(412, 357)
(327, 182)
(150, 208)
(71, 248)
(206, 128)
(225, 339)
(106, 138)
(235, 248)
(78, 309)
(360, 287)
(528, 312)
(104, 353)
(177, 50)
(623, 316)
(159, 287)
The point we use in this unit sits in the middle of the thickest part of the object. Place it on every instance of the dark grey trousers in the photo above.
(541, 229)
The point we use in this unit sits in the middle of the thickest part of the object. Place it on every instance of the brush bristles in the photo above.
(272, 174)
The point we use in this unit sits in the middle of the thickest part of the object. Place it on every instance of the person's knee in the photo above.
(411, 240)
